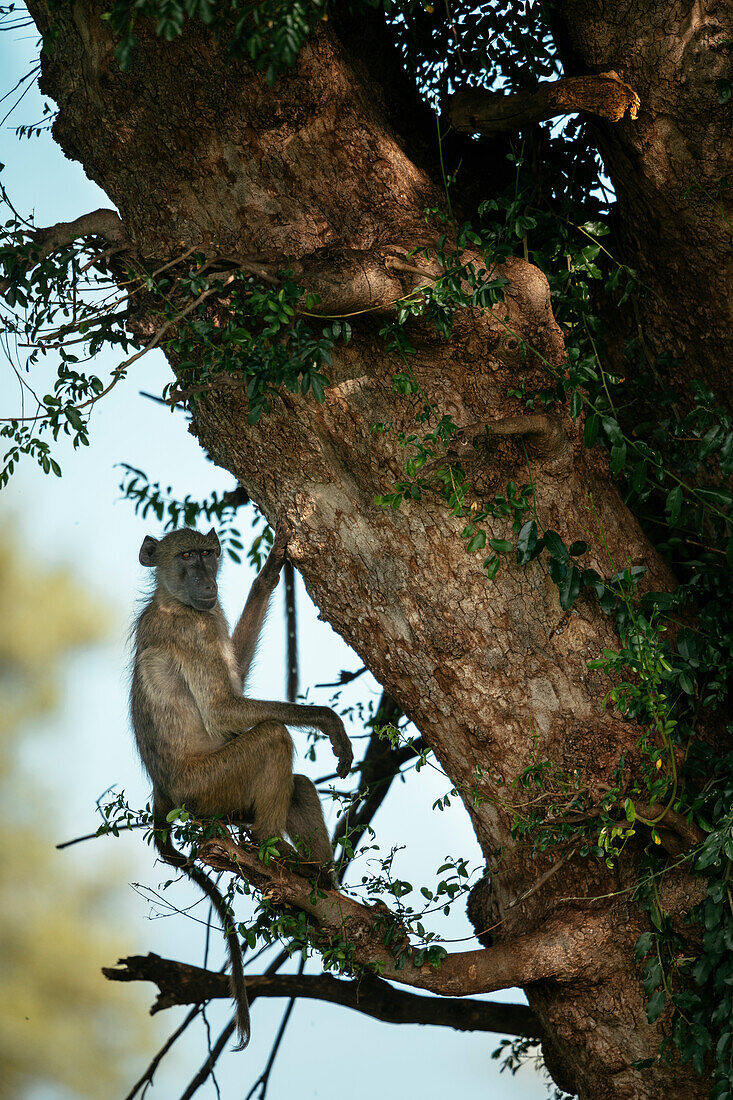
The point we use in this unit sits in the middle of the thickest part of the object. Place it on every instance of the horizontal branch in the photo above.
(103, 223)
(181, 984)
(563, 951)
(473, 110)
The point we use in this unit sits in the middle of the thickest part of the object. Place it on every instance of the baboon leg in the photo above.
(272, 782)
(250, 776)
(305, 821)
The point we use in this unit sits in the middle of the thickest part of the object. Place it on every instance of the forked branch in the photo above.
(559, 951)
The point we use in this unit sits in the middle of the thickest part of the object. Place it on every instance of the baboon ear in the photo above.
(147, 551)
(215, 539)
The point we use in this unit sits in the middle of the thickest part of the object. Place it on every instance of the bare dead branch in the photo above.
(562, 950)
(473, 110)
(180, 983)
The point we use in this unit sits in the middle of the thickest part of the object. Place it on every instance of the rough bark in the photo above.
(671, 167)
(195, 151)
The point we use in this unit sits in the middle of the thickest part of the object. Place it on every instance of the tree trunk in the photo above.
(196, 151)
(671, 168)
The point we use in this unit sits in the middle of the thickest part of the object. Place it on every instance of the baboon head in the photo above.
(186, 564)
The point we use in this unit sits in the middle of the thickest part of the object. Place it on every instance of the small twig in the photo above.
(345, 678)
(94, 836)
(540, 882)
(264, 1079)
(208, 1066)
(147, 1077)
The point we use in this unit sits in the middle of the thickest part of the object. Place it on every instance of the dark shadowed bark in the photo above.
(197, 152)
(671, 168)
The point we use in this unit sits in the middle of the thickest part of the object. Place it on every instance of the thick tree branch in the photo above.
(563, 950)
(544, 437)
(98, 223)
(180, 983)
(473, 110)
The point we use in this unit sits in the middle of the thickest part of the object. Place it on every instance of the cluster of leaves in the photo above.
(254, 337)
(689, 971)
(269, 33)
(515, 1053)
(147, 497)
(56, 306)
(503, 45)
(219, 327)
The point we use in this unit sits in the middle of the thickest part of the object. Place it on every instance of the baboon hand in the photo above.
(283, 534)
(333, 727)
(278, 553)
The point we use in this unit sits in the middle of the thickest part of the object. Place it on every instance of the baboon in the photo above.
(203, 743)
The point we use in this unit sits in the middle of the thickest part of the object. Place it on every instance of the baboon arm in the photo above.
(225, 711)
(247, 631)
(320, 718)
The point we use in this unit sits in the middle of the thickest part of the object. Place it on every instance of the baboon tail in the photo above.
(236, 976)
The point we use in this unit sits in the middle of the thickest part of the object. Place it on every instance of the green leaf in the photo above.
(477, 542)
(491, 565)
(673, 505)
(556, 548)
(655, 1006)
(686, 684)
(501, 546)
(526, 542)
(719, 497)
(570, 588)
(578, 548)
(617, 460)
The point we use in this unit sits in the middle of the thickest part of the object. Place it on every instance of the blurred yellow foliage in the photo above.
(44, 616)
(62, 1027)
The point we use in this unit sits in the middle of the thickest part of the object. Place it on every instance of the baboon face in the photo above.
(186, 565)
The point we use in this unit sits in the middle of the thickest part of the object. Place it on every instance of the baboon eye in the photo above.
(205, 553)
(186, 554)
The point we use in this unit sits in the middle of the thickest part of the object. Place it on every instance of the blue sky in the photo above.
(81, 521)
